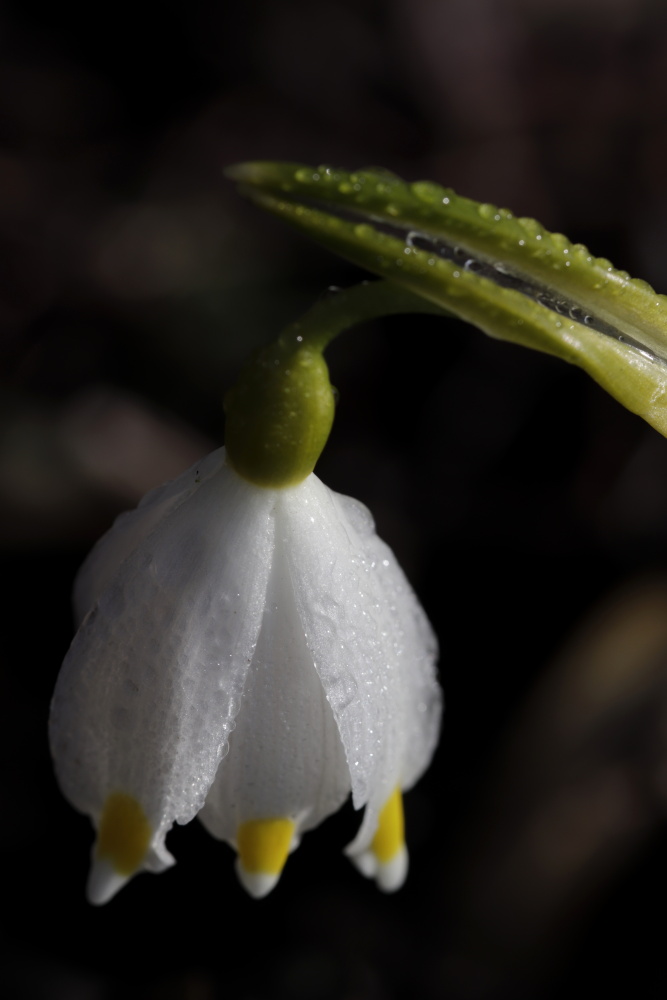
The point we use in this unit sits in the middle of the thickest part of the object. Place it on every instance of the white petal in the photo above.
(285, 759)
(257, 884)
(103, 882)
(132, 527)
(149, 689)
(389, 875)
(350, 632)
(415, 647)
(392, 874)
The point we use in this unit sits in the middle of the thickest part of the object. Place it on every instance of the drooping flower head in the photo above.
(249, 651)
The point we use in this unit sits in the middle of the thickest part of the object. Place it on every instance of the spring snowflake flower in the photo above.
(252, 655)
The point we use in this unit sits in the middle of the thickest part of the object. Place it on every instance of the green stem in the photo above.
(280, 412)
(344, 308)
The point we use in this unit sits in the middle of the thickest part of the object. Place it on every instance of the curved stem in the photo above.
(280, 412)
(345, 308)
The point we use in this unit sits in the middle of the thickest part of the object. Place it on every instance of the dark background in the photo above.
(529, 509)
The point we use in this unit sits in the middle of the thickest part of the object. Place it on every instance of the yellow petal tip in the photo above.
(390, 834)
(123, 836)
(386, 859)
(263, 846)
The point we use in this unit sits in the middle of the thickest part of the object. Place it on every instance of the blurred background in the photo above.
(528, 509)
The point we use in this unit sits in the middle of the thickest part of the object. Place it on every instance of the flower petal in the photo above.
(385, 859)
(132, 527)
(415, 647)
(286, 760)
(147, 694)
(351, 636)
(415, 652)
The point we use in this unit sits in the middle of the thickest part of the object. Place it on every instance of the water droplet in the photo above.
(576, 313)
(472, 265)
(501, 268)
(419, 241)
(486, 210)
(460, 253)
(588, 320)
(522, 243)
(431, 261)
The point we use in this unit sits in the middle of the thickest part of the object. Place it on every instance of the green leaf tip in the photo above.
(507, 275)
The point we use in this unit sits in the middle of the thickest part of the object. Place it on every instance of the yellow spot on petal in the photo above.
(263, 845)
(390, 835)
(124, 833)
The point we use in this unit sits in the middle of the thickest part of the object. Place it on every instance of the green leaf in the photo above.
(509, 276)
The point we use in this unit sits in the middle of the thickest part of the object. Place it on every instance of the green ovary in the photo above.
(279, 415)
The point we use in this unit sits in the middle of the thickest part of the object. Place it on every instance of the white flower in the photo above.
(250, 655)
